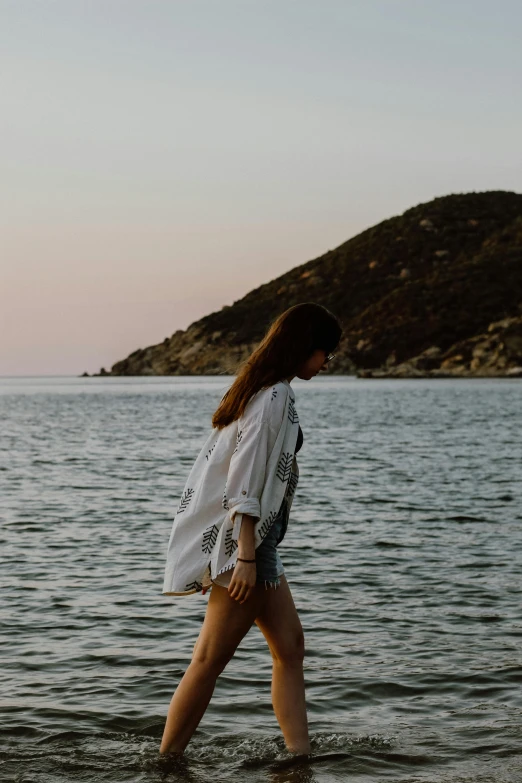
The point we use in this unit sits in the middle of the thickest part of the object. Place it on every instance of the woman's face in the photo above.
(314, 364)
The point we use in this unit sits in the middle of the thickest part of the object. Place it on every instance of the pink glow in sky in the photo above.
(162, 159)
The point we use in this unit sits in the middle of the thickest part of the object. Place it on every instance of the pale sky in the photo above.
(161, 158)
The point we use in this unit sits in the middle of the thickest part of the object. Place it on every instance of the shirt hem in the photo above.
(185, 592)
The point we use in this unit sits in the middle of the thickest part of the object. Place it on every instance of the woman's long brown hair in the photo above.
(290, 340)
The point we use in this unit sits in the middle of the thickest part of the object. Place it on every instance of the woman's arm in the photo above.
(246, 547)
(257, 433)
(244, 575)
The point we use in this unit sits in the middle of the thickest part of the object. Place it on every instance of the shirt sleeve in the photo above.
(257, 432)
(247, 470)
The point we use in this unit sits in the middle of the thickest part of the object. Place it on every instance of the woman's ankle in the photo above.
(172, 756)
(300, 750)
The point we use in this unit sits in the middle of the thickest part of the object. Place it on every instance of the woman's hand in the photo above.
(244, 576)
(243, 581)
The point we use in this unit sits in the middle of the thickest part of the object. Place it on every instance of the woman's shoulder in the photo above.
(284, 388)
(274, 396)
(269, 403)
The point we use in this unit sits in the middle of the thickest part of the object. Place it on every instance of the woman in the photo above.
(232, 515)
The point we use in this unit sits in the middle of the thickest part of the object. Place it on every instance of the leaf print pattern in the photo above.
(285, 466)
(209, 452)
(292, 484)
(185, 500)
(209, 539)
(274, 393)
(195, 585)
(292, 413)
(230, 544)
(267, 524)
(238, 440)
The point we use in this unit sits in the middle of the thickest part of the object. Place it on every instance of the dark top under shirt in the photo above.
(299, 440)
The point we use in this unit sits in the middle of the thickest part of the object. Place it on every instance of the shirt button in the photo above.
(244, 492)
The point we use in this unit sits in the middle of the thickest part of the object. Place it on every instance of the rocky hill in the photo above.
(437, 290)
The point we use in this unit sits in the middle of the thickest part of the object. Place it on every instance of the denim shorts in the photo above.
(268, 563)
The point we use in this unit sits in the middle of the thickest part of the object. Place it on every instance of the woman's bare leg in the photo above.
(212, 651)
(280, 625)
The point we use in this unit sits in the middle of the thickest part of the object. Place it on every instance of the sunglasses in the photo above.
(329, 358)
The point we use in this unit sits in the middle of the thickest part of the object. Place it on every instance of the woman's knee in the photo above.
(291, 650)
(214, 661)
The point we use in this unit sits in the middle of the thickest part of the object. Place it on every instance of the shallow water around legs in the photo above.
(403, 554)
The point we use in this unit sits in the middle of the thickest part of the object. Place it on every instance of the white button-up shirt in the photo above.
(247, 467)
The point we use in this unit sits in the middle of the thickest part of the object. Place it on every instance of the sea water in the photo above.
(403, 554)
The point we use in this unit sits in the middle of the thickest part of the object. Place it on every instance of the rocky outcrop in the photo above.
(407, 291)
(195, 351)
(497, 352)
